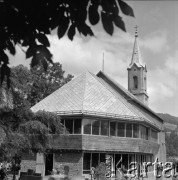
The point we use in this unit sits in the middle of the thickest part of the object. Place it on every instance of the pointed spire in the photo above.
(136, 31)
(136, 55)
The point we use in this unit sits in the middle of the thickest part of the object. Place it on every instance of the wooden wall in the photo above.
(105, 143)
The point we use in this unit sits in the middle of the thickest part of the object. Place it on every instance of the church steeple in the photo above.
(137, 73)
(136, 55)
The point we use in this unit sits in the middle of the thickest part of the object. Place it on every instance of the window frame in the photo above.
(135, 82)
(73, 125)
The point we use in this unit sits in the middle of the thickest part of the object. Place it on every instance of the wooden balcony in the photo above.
(104, 143)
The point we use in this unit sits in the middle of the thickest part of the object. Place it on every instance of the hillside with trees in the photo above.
(171, 128)
(171, 122)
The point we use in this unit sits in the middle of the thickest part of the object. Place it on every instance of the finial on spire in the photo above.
(136, 31)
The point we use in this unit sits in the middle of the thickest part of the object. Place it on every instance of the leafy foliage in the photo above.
(44, 82)
(20, 24)
(172, 144)
(30, 86)
(22, 130)
(100, 170)
(29, 134)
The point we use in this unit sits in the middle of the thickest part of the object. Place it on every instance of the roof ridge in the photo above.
(123, 89)
(130, 107)
(132, 96)
(116, 96)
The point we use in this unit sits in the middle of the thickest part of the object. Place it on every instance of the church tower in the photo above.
(137, 74)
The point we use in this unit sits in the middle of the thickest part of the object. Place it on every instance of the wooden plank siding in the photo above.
(104, 143)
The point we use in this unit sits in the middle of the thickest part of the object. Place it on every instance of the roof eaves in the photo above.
(105, 115)
(98, 114)
(136, 64)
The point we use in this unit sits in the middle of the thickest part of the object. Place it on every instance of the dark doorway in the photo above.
(48, 164)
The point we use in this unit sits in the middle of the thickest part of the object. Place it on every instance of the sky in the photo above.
(158, 41)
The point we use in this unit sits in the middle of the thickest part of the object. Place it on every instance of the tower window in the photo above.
(145, 83)
(135, 79)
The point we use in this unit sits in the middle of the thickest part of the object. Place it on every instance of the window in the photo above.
(154, 135)
(128, 130)
(135, 79)
(131, 160)
(87, 126)
(86, 163)
(145, 83)
(149, 159)
(102, 157)
(95, 127)
(62, 122)
(72, 126)
(135, 131)
(112, 128)
(125, 160)
(104, 128)
(118, 159)
(95, 159)
(92, 160)
(144, 132)
(77, 126)
(121, 130)
(69, 126)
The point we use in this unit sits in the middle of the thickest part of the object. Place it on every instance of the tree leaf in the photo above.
(41, 52)
(87, 30)
(44, 52)
(35, 60)
(125, 8)
(25, 41)
(30, 51)
(5, 71)
(71, 32)
(93, 15)
(43, 39)
(119, 23)
(4, 58)
(11, 47)
(45, 64)
(107, 6)
(62, 28)
(107, 22)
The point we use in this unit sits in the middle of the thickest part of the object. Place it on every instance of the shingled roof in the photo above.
(94, 94)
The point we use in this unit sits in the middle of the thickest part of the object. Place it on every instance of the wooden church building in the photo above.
(103, 119)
